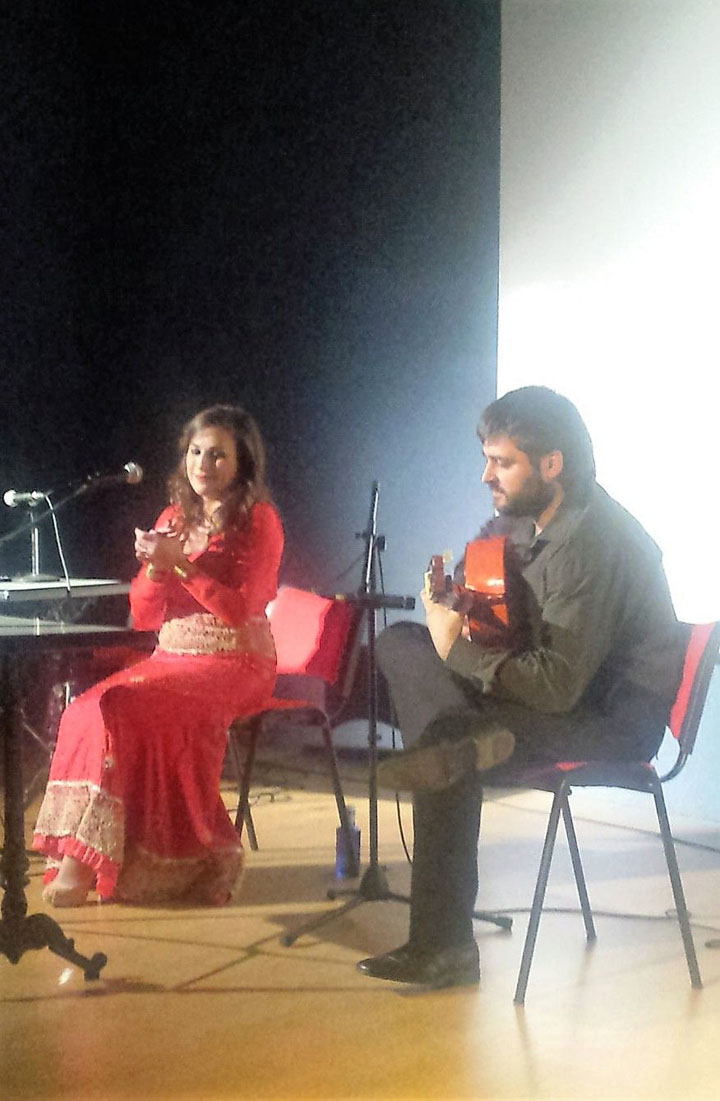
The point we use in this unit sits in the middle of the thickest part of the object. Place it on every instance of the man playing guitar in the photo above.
(591, 674)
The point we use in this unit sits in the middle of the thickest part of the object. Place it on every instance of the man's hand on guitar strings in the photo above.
(443, 623)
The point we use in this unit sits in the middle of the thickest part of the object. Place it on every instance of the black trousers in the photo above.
(431, 702)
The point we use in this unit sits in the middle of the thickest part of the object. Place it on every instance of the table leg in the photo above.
(19, 932)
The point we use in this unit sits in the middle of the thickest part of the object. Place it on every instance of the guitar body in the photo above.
(492, 597)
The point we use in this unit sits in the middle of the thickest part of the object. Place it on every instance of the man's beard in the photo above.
(531, 500)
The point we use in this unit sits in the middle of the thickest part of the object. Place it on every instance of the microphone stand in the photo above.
(32, 524)
(35, 573)
(35, 520)
(373, 886)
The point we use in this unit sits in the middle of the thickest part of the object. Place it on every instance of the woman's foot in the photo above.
(71, 885)
(65, 896)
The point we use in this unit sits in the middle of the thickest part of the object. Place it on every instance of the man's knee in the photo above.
(400, 642)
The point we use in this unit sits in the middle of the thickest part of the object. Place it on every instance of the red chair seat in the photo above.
(316, 640)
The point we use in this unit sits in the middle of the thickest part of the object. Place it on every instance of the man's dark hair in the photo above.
(540, 421)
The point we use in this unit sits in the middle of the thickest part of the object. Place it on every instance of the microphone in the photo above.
(13, 498)
(376, 600)
(132, 473)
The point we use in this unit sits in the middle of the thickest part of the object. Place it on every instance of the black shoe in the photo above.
(458, 965)
(442, 764)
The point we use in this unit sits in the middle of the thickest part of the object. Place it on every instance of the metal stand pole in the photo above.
(35, 573)
(373, 886)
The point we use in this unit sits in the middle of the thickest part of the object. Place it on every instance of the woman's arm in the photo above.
(149, 587)
(255, 555)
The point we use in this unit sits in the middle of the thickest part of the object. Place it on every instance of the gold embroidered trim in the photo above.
(76, 808)
(212, 878)
(203, 633)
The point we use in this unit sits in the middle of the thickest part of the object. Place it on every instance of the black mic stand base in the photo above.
(373, 887)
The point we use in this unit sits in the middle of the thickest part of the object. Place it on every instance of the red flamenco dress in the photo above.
(134, 783)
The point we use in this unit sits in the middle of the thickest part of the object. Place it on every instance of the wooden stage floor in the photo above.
(208, 1004)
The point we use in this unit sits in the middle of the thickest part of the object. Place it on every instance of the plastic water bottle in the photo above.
(346, 857)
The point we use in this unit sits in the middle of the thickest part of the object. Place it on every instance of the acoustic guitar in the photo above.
(493, 595)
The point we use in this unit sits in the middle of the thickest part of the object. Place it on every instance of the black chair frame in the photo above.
(561, 778)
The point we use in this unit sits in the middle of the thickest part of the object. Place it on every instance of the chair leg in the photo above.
(677, 887)
(353, 870)
(243, 769)
(539, 896)
(493, 917)
(250, 825)
(578, 870)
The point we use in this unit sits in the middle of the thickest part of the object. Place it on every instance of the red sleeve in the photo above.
(249, 580)
(148, 599)
(234, 579)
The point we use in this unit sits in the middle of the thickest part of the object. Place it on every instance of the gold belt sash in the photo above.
(203, 633)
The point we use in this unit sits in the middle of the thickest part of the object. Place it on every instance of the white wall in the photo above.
(609, 256)
(609, 250)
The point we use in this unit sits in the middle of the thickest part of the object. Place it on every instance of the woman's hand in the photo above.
(443, 623)
(161, 549)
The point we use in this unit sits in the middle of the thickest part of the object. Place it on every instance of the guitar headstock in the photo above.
(438, 583)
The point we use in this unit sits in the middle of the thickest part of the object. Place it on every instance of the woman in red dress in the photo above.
(132, 806)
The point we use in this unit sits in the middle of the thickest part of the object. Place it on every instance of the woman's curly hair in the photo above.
(249, 485)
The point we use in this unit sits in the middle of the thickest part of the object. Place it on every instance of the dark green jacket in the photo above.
(600, 612)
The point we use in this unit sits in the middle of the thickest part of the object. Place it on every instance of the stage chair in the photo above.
(317, 641)
(561, 778)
